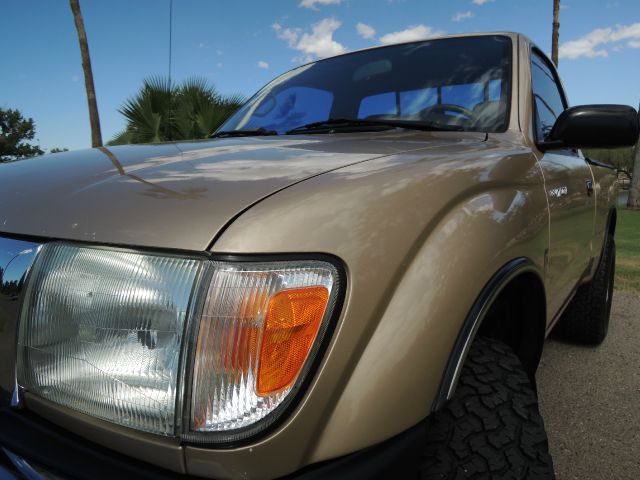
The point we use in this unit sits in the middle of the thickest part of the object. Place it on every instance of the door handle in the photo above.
(589, 185)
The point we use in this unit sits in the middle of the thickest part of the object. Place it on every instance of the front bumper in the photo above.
(54, 453)
(32, 448)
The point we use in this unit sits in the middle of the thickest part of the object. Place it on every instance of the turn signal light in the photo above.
(259, 332)
(291, 325)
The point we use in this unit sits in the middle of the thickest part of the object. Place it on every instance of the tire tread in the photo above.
(586, 319)
(491, 428)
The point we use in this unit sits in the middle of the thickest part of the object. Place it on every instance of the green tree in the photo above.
(58, 150)
(621, 158)
(161, 112)
(15, 134)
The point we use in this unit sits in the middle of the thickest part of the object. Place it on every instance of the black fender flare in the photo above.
(472, 323)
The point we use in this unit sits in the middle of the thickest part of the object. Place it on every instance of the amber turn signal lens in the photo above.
(291, 325)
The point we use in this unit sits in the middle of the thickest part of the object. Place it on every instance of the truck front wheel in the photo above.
(491, 427)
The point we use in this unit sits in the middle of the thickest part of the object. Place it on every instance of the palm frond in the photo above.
(209, 118)
(162, 112)
(157, 83)
(235, 100)
(123, 137)
(144, 119)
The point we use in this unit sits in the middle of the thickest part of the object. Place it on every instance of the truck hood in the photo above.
(178, 195)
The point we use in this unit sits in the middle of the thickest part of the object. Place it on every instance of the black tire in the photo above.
(586, 319)
(491, 428)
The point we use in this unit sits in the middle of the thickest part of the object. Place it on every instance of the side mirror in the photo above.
(594, 126)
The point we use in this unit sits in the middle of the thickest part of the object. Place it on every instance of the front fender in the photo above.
(398, 375)
(419, 235)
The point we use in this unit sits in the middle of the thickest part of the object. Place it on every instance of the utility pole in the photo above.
(94, 119)
(555, 35)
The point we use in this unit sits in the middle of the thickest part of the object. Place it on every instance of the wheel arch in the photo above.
(515, 285)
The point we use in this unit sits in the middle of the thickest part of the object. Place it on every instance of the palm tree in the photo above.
(162, 112)
(94, 119)
(555, 35)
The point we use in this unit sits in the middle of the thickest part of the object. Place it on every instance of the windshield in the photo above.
(454, 83)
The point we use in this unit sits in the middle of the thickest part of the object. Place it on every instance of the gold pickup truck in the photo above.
(354, 277)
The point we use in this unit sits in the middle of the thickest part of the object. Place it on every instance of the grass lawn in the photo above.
(628, 250)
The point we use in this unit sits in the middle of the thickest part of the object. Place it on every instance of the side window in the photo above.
(547, 97)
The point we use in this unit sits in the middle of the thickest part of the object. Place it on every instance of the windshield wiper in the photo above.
(255, 132)
(334, 124)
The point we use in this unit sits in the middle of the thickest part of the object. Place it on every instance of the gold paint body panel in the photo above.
(421, 221)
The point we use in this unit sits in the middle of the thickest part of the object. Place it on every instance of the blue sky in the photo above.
(240, 45)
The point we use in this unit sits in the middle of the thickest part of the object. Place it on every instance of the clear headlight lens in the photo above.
(101, 332)
(147, 340)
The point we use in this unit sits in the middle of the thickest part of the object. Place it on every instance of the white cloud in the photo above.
(312, 3)
(459, 16)
(289, 35)
(481, 2)
(592, 44)
(415, 32)
(75, 78)
(219, 64)
(365, 31)
(586, 46)
(263, 64)
(319, 43)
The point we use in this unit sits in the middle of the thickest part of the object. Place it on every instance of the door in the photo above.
(569, 186)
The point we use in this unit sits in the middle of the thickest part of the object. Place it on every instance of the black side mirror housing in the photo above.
(594, 126)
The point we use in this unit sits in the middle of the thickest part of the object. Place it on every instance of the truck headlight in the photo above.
(171, 344)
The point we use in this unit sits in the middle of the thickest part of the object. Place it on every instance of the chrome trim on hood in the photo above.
(16, 258)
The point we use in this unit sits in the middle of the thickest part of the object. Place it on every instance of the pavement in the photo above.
(590, 400)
